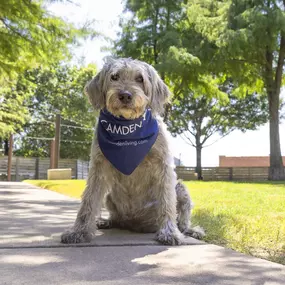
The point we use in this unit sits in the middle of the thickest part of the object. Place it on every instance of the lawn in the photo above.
(71, 188)
(247, 217)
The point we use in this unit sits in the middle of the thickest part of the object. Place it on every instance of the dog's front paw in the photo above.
(76, 237)
(170, 237)
(196, 232)
(103, 224)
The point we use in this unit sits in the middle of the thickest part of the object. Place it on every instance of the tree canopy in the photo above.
(30, 37)
(58, 90)
(198, 117)
(13, 111)
(250, 36)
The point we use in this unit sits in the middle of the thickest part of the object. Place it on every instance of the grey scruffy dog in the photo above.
(150, 199)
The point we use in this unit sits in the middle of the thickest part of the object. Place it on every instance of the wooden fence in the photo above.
(224, 173)
(36, 168)
(82, 168)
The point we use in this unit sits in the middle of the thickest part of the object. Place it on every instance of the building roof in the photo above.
(245, 161)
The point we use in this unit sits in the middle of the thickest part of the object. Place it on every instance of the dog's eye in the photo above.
(139, 79)
(115, 77)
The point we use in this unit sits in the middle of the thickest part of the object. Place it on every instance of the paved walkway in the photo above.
(32, 219)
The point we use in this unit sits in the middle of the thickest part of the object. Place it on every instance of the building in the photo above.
(245, 161)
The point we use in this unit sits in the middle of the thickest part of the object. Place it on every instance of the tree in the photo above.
(13, 113)
(150, 30)
(30, 36)
(250, 35)
(57, 90)
(197, 117)
(155, 32)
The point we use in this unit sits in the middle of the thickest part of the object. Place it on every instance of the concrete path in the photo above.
(32, 219)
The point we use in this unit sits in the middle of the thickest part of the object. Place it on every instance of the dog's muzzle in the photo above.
(125, 96)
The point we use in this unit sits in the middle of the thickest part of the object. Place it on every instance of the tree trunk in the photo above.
(154, 34)
(167, 110)
(6, 147)
(273, 86)
(199, 162)
(198, 146)
(276, 170)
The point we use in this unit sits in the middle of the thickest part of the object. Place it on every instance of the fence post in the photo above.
(37, 168)
(231, 174)
(76, 169)
(82, 168)
(57, 141)
(17, 168)
(52, 146)
(249, 174)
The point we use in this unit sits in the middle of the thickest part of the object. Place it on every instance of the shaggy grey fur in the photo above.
(150, 200)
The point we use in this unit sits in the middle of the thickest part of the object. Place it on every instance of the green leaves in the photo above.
(149, 30)
(30, 36)
(58, 89)
(13, 111)
(208, 18)
(250, 40)
(182, 57)
(198, 116)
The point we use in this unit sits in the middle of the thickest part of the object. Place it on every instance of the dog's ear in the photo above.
(160, 93)
(94, 89)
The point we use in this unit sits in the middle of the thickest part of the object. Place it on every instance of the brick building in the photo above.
(245, 161)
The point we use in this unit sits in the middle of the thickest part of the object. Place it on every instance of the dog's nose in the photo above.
(125, 96)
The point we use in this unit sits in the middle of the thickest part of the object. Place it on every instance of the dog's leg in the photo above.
(114, 221)
(92, 198)
(103, 223)
(184, 206)
(196, 232)
(168, 232)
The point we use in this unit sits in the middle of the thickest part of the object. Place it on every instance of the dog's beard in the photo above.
(129, 111)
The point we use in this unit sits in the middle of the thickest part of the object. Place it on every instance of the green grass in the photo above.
(71, 188)
(247, 217)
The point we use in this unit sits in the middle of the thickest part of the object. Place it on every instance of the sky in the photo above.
(106, 13)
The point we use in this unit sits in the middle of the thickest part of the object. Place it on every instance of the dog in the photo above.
(131, 167)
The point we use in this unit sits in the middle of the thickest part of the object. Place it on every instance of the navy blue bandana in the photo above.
(125, 143)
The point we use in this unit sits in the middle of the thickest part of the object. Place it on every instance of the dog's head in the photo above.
(126, 87)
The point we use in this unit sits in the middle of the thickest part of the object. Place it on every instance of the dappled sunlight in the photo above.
(29, 218)
(30, 248)
(30, 259)
(176, 262)
(143, 265)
